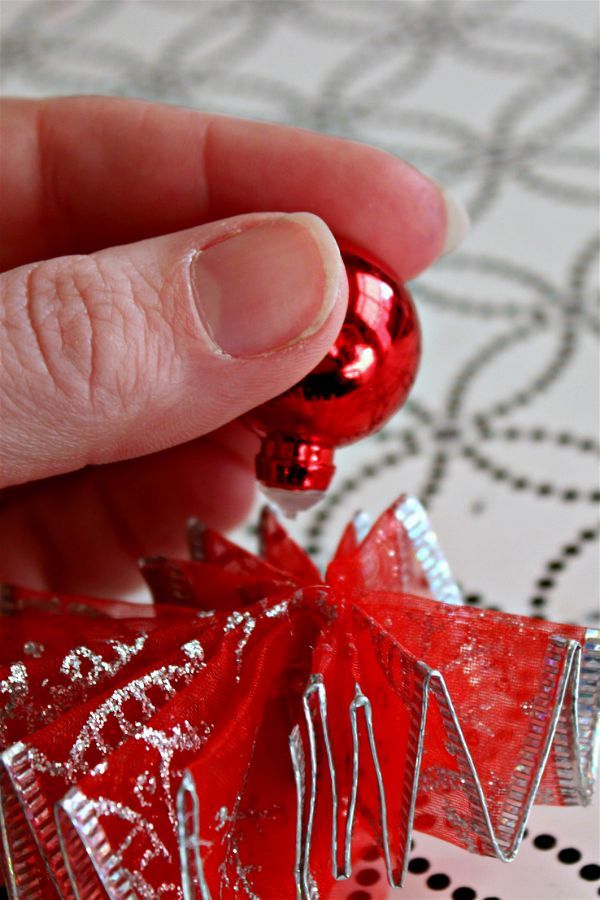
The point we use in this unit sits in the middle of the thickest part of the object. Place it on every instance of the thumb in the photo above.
(137, 348)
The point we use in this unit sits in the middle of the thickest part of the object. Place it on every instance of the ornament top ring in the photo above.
(363, 380)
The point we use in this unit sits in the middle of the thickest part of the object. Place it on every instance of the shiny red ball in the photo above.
(362, 381)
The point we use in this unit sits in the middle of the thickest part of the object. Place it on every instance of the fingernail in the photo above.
(457, 221)
(268, 286)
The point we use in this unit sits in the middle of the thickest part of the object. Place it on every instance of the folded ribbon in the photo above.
(258, 727)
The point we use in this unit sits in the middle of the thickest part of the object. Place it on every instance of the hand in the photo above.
(154, 289)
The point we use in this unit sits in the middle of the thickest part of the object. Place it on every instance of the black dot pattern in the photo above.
(591, 872)
(544, 841)
(559, 563)
(438, 881)
(464, 893)
(569, 856)
(418, 865)
(518, 482)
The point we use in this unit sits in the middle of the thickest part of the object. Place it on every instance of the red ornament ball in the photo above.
(363, 380)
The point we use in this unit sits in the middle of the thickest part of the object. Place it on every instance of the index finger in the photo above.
(82, 173)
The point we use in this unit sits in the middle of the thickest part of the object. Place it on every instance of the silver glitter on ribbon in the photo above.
(279, 609)
(22, 762)
(222, 818)
(145, 788)
(85, 665)
(33, 648)
(16, 685)
(193, 649)
(166, 678)
(247, 622)
(239, 882)
(561, 683)
(182, 737)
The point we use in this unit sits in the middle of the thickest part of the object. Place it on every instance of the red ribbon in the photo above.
(255, 729)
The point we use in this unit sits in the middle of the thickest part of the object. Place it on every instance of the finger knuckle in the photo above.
(76, 331)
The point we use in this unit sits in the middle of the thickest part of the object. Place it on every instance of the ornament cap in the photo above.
(295, 466)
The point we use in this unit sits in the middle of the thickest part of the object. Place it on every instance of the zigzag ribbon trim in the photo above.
(565, 699)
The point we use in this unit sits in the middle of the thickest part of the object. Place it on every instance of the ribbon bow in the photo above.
(259, 727)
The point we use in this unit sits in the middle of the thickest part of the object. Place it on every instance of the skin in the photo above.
(84, 175)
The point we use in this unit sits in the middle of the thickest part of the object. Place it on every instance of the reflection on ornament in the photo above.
(260, 727)
(362, 381)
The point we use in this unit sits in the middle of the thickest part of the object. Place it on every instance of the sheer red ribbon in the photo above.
(258, 726)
